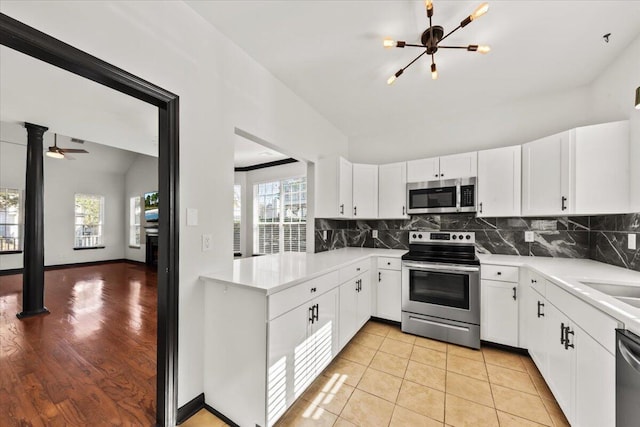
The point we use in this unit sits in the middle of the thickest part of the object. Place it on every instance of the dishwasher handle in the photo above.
(628, 356)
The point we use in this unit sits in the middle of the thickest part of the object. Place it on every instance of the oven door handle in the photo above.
(436, 267)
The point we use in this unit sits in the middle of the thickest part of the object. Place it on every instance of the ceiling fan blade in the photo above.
(68, 157)
(72, 150)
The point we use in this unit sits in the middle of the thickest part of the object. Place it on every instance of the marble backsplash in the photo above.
(602, 238)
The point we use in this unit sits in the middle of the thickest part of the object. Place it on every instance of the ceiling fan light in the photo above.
(393, 78)
(638, 98)
(429, 5)
(484, 49)
(54, 154)
(434, 72)
(387, 43)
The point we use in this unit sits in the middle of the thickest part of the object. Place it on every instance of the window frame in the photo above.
(19, 224)
(135, 221)
(237, 219)
(99, 244)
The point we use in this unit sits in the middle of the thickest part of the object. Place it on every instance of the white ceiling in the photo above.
(330, 52)
(34, 91)
(249, 153)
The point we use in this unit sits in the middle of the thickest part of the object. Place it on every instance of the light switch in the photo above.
(206, 242)
(528, 236)
(631, 239)
(192, 217)
(324, 234)
(375, 234)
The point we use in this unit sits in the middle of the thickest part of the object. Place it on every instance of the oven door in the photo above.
(442, 290)
(433, 196)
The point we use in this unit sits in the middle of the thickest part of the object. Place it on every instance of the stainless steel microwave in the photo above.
(449, 195)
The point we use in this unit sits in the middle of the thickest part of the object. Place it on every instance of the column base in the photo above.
(33, 313)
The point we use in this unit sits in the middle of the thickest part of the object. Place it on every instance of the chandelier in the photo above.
(433, 36)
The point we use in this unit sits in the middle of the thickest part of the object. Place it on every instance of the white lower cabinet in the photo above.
(302, 342)
(534, 318)
(355, 306)
(388, 301)
(499, 321)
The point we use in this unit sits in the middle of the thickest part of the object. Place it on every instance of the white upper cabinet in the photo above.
(423, 170)
(546, 166)
(499, 172)
(392, 190)
(580, 171)
(334, 191)
(459, 165)
(446, 167)
(365, 191)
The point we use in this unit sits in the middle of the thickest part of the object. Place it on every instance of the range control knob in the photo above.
(468, 237)
(454, 237)
(461, 237)
(414, 235)
(419, 236)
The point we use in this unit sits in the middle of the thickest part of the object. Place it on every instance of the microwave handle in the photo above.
(436, 267)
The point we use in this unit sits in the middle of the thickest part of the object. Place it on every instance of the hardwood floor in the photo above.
(92, 361)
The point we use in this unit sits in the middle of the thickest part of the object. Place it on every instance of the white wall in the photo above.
(251, 178)
(142, 177)
(220, 88)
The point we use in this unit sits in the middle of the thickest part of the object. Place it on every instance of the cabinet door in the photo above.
(289, 367)
(348, 311)
(561, 361)
(499, 312)
(595, 404)
(364, 299)
(392, 190)
(546, 168)
(459, 165)
(602, 168)
(345, 188)
(388, 298)
(323, 333)
(365, 191)
(499, 182)
(535, 320)
(423, 170)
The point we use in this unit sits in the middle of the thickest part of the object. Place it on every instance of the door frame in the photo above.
(23, 38)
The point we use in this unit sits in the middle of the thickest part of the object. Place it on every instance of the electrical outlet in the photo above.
(528, 236)
(375, 234)
(631, 241)
(206, 242)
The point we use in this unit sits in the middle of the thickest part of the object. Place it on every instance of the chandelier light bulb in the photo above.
(480, 10)
(387, 43)
(434, 72)
(391, 80)
(484, 49)
(428, 4)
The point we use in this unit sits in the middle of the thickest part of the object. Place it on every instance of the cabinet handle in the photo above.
(357, 283)
(480, 207)
(355, 210)
(311, 314)
(499, 273)
(540, 304)
(436, 175)
(388, 263)
(313, 290)
(515, 293)
(358, 269)
(360, 285)
(564, 199)
(534, 281)
(342, 209)
(566, 339)
(562, 333)
(317, 310)
(379, 276)
(403, 209)
(441, 175)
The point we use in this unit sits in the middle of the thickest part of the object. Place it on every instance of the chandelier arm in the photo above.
(414, 60)
(449, 33)
(433, 61)
(414, 45)
(453, 47)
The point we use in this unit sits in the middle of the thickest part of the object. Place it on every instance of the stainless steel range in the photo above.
(441, 287)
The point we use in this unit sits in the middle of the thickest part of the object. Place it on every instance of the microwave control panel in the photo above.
(467, 194)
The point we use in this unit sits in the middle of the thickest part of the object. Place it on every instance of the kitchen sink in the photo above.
(629, 294)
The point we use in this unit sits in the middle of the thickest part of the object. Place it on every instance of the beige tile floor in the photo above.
(384, 377)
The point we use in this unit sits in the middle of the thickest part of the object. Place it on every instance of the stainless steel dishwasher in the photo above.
(627, 379)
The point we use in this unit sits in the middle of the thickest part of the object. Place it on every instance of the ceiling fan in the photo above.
(431, 38)
(56, 152)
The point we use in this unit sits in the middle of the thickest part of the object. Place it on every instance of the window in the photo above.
(10, 220)
(134, 221)
(89, 221)
(280, 216)
(237, 214)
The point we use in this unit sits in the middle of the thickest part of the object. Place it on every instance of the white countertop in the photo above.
(569, 275)
(273, 273)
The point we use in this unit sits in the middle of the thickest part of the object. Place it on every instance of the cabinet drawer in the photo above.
(352, 270)
(501, 273)
(538, 283)
(389, 263)
(593, 321)
(288, 299)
